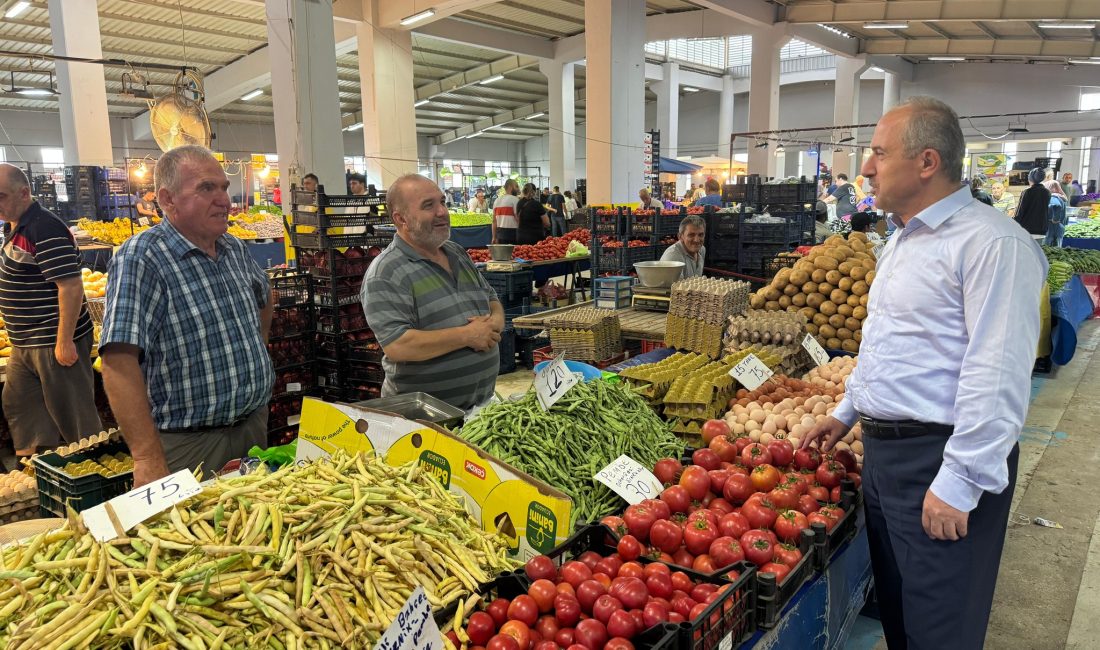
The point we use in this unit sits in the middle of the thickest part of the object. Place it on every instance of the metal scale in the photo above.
(651, 298)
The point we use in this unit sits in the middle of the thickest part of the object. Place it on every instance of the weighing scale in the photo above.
(651, 298)
(507, 267)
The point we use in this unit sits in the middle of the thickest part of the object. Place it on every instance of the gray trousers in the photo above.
(45, 402)
(214, 448)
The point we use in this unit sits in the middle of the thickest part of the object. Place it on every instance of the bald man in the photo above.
(437, 319)
(48, 390)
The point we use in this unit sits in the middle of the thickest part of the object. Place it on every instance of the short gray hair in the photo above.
(395, 195)
(167, 172)
(692, 221)
(934, 125)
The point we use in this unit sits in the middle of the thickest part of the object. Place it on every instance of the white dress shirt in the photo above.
(950, 337)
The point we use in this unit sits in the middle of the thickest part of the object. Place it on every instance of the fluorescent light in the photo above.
(851, 153)
(493, 79)
(877, 69)
(415, 18)
(421, 103)
(894, 25)
(834, 30)
(780, 149)
(531, 117)
(690, 89)
(355, 127)
(252, 95)
(947, 58)
(1067, 25)
(34, 92)
(1093, 61)
(501, 127)
(16, 9)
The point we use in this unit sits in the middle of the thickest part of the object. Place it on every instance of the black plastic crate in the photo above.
(723, 223)
(741, 193)
(338, 347)
(668, 224)
(827, 543)
(290, 351)
(787, 193)
(610, 222)
(777, 263)
(643, 225)
(607, 259)
(344, 319)
(772, 597)
(722, 248)
(510, 285)
(750, 257)
(371, 373)
(58, 489)
(507, 348)
(321, 239)
(292, 322)
(337, 292)
(294, 380)
(321, 263)
(290, 287)
(788, 231)
(526, 346)
(319, 199)
(348, 220)
(632, 254)
(284, 411)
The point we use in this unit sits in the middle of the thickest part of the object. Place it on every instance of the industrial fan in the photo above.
(179, 117)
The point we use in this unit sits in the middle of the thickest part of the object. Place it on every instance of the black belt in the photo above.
(900, 429)
(235, 423)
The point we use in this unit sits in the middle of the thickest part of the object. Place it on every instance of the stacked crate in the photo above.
(620, 238)
(723, 238)
(113, 199)
(292, 351)
(336, 238)
(80, 185)
(760, 241)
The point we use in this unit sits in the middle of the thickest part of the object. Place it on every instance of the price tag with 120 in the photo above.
(751, 372)
(112, 519)
(627, 478)
(817, 353)
(553, 381)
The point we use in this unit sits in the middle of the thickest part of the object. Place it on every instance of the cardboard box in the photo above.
(533, 515)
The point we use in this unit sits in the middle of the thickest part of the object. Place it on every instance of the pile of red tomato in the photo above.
(611, 242)
(738, 500)
(551, 248)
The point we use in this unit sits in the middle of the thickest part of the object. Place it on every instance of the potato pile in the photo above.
(830, 286)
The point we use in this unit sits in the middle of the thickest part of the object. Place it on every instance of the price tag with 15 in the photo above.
(751, 372)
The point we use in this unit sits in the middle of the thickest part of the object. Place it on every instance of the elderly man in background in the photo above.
(648, 202)
(689, 249)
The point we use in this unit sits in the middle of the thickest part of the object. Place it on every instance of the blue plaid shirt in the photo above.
(196, 321)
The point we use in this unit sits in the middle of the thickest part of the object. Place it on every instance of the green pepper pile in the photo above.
(590, 426)
(1084, 229)
(1058, 275)
(1082, 260)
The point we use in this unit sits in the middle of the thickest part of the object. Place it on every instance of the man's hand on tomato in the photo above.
(942, 521)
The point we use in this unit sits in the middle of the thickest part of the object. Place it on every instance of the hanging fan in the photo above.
(179, 117)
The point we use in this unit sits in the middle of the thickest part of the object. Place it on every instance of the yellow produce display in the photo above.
(5, 344)
(95, 283)
(105, 465)
(112, 232)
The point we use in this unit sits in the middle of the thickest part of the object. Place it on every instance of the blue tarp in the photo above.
(472, 236)
(673, 166)
(1068, 308)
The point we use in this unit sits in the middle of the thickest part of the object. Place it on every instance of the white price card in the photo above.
(553, 381)
(294, 387)
(630, 480)
(751, 372)
(112, 519)
(414, 628)
(817, 353)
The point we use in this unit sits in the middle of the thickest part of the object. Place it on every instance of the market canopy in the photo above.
(673, 166)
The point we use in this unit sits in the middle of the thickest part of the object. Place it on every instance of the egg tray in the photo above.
(16, 496)
(21, 511)
(710, 300)
(695, 335)
(58, 489)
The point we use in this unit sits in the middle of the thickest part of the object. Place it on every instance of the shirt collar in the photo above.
(936, 214)
(180, 245)
(409, 251)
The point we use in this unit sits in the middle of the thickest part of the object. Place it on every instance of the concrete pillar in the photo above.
(846, 110)
(388, 95)
(725, 116)
(615, 93)
(85, 124)
(891, 91)
(764, 93)
(563, 122)
(304, 91)
(668, 108)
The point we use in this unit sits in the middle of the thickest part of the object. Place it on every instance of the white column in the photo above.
(846, 110)
(764, 94)
(388, 95)
(563, 123)
(615, 93)
(725, 116)
(304, 91)
(668, 108)
(85, 124)
(891, 91)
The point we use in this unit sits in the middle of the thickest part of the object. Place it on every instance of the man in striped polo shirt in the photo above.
(437, 319)
(48, 391)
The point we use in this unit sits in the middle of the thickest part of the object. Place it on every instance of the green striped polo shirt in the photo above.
(401, 291)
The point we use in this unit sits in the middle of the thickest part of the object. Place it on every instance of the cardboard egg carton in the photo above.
(84, 444)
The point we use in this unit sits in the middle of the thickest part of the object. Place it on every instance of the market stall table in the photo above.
(635, 323)
(1091, 243)
(1068, 308)
(472, 236)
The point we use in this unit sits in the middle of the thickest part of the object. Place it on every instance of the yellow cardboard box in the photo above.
(533, 515)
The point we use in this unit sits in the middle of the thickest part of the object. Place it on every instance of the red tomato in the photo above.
(725, 448)
(711, 429)
(547, 627)
(621, 624)
(567, 610)
(667, 470)
(833, 512)
(699, 534)
(659, 586)
(726, 551)
(604, 605)
(480, 628)
(788, 554)
(616, 643)
(590, 559)
(694, 479)
(564, 637)
(591, 634)
(808, 458)
(543, 592)
(639, 519)
(834, 495)
(720, 507)
(503, 642)
(759, 514)
(737, 488)
(756, 454)
(616, 524)
(790, 524)
(525, 609)
(666, 535)
(656, 568)
(765, 477)
(631, 592)
(660, 508)
(738, 468)
(783, 497)
(779, 570)
(740, 442)
(677, 498)
(706, 458)
(760, 551)
(782, 452)
(703, 564)
(856, 479)
(704, 513)
(818, 493)
(733, 525)
(681, 581)
(545, 645)
(588, 592)
(683, 606)
(829, 474)
(846, 458)
(629, 548)
(609, 566)
(540, 567)
(654, 613)
(519, 631)
(817, 517)
(807, 504)
(718, 479)
(575, 572)
(682, 557)
(498, 609)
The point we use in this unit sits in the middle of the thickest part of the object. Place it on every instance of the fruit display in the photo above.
(1058, 275)
(5, 344)
(106, 466)
(699, 309)
(240, 232)
(312, 556)
(1082, 260)
(830, 286)
(350, 261)
(572, 244)
(462, 219)
(590, 426)
(111, 232)
(478, 254)
(95, 283)
(287, 352)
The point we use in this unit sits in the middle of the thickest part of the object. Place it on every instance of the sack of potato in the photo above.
(830, 286)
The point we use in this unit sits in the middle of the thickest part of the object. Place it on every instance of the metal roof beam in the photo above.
(389, 13)
(754, 12)
(938, 10)
(461, 31)
(519, 113)
(982, 26)
(175, 7)
(474, 75)
(830, 42)
(983, 47)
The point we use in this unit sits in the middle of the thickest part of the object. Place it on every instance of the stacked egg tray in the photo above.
(586, 334)
(652, 380)
(18, 497)
(699, 309)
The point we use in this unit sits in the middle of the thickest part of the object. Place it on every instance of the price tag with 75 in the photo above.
(553, 381)
(112, 519)
(817, 353)
(751, 372)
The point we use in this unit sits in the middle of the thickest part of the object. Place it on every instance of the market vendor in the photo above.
(689, 249)
(478, 203)
(309, 182)
(436, 317)
(146, 208)
(185, 362)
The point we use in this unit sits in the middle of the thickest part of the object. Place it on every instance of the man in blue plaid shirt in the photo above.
(185, 361)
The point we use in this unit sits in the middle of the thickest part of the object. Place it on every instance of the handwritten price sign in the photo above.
(112, 519)
(751, 372)
(630, 480)
(553, 381)
(817, 353)
(414, 628)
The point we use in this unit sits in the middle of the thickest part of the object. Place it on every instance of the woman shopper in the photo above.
(1058, 219)
(1034, 202)
(532, 217)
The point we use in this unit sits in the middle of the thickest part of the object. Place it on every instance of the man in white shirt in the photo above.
(689, 249)
(478, 203)
(505, 217)
(648, 202)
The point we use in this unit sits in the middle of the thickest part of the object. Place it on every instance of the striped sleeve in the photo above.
(390, 310)
(135, 302)
(55, 252)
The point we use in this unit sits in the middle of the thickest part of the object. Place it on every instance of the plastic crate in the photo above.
(371, 373)
(294, 380)
(650, 346)
(510, 285)
(290, 287)
(336, 347)
(632, 254)
(668, 224)
(321, 239)
(337, 293)
(787, 193)
(731, 616)
(610, 223)
(527, 348)
(750, 257)
(348, 220)
(723, 223)
(741, 193)
(318, 199)
(58, 489)
(775, 264)
(341, 319)
(772, 598)
(507, 347)
(827, 543)
(328, 264)
(788, 231)
(722, 248)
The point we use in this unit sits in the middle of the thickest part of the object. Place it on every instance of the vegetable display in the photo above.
(1083, 260)
(590, 426)
(314, 556)
(1058, 275)
(462, 219)
(1084, 229)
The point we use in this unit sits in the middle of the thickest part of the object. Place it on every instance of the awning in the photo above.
(673, 166)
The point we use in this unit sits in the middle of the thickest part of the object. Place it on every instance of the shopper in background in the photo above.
(1032, 212)
(699, 192)
(650, 203)
(978, 193)
(942, 385)
(436, 317)
(1068, 188)
(844, 196)
(185, 362)
(147, 208)
(557, 214)
(689, 249)
(714, 194)
(357, 184)
(858, 187)
(310, 182)
(689, 196)
(821, 222)
(478, 203)
(1057, 219)
(1003, 200)
(49, 392)
(505, 214)
(863, 222)
(571, 206)
(532, 216)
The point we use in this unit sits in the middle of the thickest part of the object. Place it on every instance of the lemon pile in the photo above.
(95, 283)
(5, 344)
(113, 232)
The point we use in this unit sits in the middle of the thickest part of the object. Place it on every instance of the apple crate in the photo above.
(291, 287)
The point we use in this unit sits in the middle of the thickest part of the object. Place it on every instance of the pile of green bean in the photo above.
(592, 425)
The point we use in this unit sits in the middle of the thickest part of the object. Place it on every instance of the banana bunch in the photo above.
(112, 232)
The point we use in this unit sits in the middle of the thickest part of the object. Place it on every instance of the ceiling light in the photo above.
(947, 58)
(355, 127)
(834, 30)
(493, 79)
(1018, 129)
(421, 103)
(1067, 25)
(847, 138)
(504, 128)
(252, 95)
(16, 9)
(31, 91)
(894, 25)
(531, 117)
(780, 149)
(690, 89)
(1092, 61)
(415, 18)
(35, 92)
(877, 69)
(851, 153)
